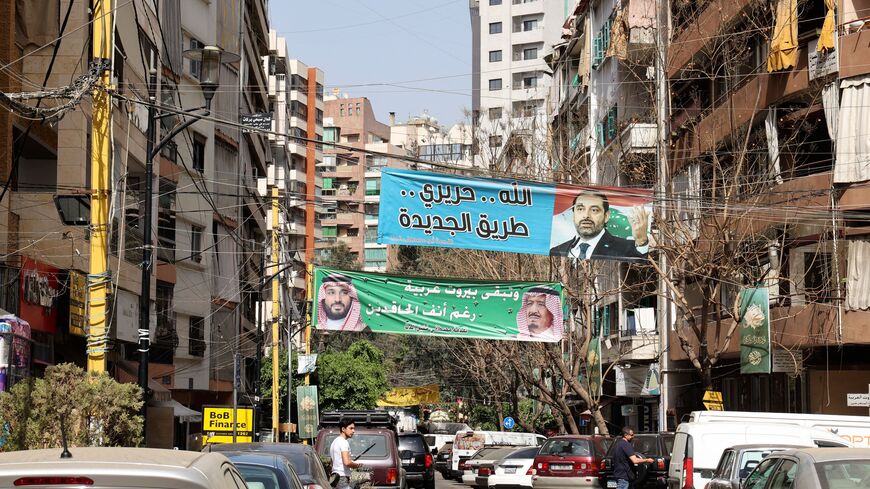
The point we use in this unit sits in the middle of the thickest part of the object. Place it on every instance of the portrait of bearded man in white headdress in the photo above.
(540, 317)
(338, 307)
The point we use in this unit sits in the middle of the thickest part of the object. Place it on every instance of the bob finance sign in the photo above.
(218, 423)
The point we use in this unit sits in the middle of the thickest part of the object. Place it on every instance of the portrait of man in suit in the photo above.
(591, 211)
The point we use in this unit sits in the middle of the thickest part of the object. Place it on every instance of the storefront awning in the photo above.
(183, 413)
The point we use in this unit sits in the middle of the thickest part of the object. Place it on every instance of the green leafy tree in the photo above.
(266, 383)
(352, 379)
(97, 411)
(340, 256)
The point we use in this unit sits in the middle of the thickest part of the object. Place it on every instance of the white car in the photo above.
(488, 457)
(513, 471)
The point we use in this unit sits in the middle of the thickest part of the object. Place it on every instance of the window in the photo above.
(495, 84)
(495, 28)
(530, 81)
(371, 235)
(495, 141)
(530, 25)
(166, 221)
(817, 277)
(373, 186)
(760, 476)
(608, 127)
(530, 53)
(329, 231)
(196, 66)
(196, 243)
(601, 42)
(376, 257)
(371, 211)
(495, 113)
(199, 153)
(318, 116)
(196, 337)
(495, 56)
(341, 110)
(495, 2)
(358, 110)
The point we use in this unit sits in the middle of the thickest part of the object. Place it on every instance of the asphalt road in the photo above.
(440, 483)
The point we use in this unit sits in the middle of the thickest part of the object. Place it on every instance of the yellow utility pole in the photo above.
(98, 280)
(276, 311)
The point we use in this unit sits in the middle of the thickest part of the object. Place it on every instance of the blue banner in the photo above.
(455, 211)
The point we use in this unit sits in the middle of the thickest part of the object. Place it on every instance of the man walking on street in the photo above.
(339, 452)
(624, 458)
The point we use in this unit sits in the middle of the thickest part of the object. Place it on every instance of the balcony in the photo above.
(526, 7)
(639, 137)
(715, 17)
(520, 36)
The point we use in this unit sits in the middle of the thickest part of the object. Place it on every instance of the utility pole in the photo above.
(276, 310)
(147, 249)
(663, 306)
(98, 273)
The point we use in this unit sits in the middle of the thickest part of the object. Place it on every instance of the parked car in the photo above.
(442, 458)
(466, 443)
(812, 468)
(436, 440)
(114, 467)
(513, 471)
(417, 461)
(698, 446)
(738, 461)
(265, 470)
(375, 443)
(483, 456)
(302, 458)
(570, 461)
(656, 446)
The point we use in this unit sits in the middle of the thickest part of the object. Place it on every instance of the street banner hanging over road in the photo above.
(431, 209)
(358, 301)
(411, 396)
(307, 406)
(754, 331)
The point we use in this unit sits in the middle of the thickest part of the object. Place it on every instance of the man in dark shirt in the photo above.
(623, 459)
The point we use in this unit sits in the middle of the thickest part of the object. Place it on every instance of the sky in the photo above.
(406, 56)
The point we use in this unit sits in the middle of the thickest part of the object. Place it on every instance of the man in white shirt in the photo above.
(339, 452)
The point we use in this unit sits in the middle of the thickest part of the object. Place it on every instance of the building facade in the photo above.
(425, 139)
(510, 79)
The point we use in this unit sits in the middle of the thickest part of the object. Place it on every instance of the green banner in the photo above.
(307, 410)
(593, 366)
(358, 301)
(754, 331)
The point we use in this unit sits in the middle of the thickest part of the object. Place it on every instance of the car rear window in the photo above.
(668, 440)
(257, 477)
(360, 442)
(414, 443)
(565, 447)
(646, 444)
(843, 473)
(525, 453)
(430, 439)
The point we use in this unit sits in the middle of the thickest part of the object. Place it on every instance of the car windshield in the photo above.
(259, 477)
(362, 441)
(413, 443)
(565, 447)
(842, 474)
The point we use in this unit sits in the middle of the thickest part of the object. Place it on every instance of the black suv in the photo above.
(417, 461)
(657, 446)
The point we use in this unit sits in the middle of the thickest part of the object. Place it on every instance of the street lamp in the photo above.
(211, 59)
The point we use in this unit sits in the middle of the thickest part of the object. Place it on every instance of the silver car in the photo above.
(113, 467)
(812, 468)
(738, 461)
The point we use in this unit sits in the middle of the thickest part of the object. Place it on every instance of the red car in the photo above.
(569, 461)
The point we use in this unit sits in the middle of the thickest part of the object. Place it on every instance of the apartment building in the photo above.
(601, 111)
(296, 96)
(425, 139)
(351, 172)
(510, 78)
(771, 99)
(208, 217)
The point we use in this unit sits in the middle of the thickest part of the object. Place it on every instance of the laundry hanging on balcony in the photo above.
(852, 162)
(827, 38)
(618, 37)
(858, 276)
(784, 43)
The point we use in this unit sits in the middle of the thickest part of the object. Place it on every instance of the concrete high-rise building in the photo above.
(352, 179)
(510, 79)
(425, 139)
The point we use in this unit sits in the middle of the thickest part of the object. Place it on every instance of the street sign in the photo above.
(713, 396)
(218, 421)
(714, 406)
(260, 121)
(509, 423)
(858, 400)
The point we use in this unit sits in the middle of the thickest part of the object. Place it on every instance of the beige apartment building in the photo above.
(351, 172)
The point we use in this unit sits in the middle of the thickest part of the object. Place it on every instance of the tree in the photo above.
(96, 409)
(352, 379)
(340, 256)
(266, 380)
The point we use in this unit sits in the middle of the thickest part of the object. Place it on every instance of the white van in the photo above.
(466, 443)
(437, 440)
(854, 429)
(699, 445)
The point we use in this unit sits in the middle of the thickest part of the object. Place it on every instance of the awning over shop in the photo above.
(183, 413)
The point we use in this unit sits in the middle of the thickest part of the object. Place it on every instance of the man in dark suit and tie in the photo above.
(591, 213)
